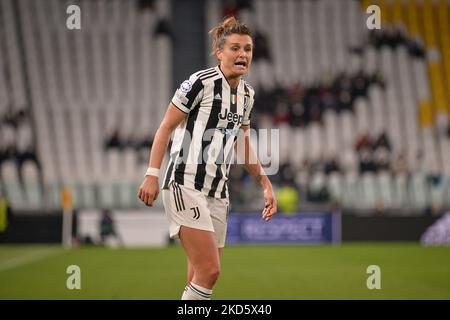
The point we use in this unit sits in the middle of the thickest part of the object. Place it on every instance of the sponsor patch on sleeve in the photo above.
(186, 86)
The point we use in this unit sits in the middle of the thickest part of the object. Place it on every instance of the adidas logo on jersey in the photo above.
(218, 97)
(230, 116)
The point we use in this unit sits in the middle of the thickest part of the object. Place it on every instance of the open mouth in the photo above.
(241, 63)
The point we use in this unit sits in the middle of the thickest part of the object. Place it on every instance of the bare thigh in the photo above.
(190, 267)
(202, 253)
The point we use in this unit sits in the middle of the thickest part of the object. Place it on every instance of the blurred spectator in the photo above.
(28, 154)
(434, 210)
(16, 139)
(332, 166)
(382, 142)
(297, 116)
(5, 212)
(366, 163)
(108, 228)
(317, 190)
(3, 156)
(416, 48)
(382, 159)
(287, 198)
(131, 142)
(146, 5)
(434, 179)
(14, 118)
(380, 208)
(344, 101)
(364, 142)
(376, 38)
(395, 36)
(287, 174)
(327, 98)
(319, 195)
(307, 104)
(230, 8)
(262, 49)
(145, 143)
(360, 84)
(377, 79)
(114, 140)
(245, 4)
(163, 28)
(282, 115)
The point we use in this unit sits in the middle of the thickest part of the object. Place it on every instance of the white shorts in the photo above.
(191, 208)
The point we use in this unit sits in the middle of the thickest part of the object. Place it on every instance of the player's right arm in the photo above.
(149, 189)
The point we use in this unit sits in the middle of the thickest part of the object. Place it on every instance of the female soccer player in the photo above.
(208, 111)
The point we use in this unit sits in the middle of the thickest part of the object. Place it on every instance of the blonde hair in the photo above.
(229, 26)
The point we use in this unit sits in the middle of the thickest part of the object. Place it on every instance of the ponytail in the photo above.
(227, 27)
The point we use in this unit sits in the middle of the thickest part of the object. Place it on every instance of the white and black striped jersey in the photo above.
(202, 147)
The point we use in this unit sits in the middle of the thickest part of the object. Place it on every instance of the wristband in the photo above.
(152, 172)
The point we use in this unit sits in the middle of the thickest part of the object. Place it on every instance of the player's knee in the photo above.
(213, 274)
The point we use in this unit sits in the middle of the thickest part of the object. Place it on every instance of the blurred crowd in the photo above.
(299, 105)
(395, 36)
(16, 139)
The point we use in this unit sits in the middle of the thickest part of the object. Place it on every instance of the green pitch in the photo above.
(408, 271)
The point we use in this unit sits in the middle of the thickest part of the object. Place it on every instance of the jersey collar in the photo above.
(223, 76)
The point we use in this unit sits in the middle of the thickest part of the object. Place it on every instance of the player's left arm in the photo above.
(253, 166)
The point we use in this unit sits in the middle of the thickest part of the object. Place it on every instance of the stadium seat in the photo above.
(32, 186)
(351, 197)
(368, 190)
(331, 131)
(363, 120)
(386, 191)
(438, 192)
(335, 185)
(297, 154)
(13, 187)
(400, 198)
(418, 191)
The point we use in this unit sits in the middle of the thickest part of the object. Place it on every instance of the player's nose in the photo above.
(242, 53)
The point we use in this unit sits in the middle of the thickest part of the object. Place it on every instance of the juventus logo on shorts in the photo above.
(196, 213)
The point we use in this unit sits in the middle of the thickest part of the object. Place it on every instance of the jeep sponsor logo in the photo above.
(231, 116)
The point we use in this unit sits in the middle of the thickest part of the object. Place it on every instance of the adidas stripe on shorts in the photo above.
(189, 207)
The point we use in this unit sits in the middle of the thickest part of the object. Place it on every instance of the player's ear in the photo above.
(219, 54)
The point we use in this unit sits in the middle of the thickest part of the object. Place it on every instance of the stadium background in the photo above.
(363, 119)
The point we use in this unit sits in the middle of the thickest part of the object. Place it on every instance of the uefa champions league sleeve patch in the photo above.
(186, 86)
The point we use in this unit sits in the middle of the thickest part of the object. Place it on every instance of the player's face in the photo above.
(236, 55)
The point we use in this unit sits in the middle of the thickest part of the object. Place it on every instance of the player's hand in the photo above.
(270, 204)
(149, 190)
